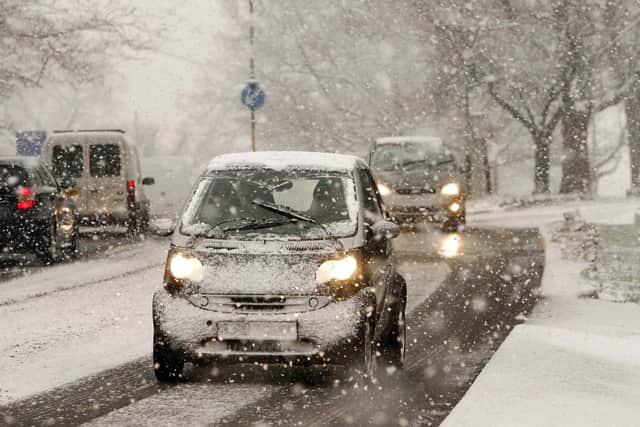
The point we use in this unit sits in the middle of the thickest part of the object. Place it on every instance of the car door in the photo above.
(379, 250)
(106, 181)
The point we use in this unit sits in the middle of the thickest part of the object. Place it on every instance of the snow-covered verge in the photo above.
(576, 361)
(616, 270)
(612, 251)
(73, 320)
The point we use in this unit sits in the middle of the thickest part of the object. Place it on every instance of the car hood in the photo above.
(262, 267)
(415, 179)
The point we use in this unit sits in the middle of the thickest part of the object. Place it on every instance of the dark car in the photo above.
(35, 215)
(281, 256)
(419, 179)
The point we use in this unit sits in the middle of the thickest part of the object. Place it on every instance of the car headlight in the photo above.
(451, 189)
(183, 267)
(384, 189)
(337, 269)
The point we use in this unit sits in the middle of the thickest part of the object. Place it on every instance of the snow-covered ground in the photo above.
(575, 361)
(76, 319)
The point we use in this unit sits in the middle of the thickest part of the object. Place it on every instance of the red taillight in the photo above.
(131, 193)
(26, 204)
(26, 199)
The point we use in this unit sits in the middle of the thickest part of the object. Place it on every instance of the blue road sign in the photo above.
(29, 143)
(253, 96)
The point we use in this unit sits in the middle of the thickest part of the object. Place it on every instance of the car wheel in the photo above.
(394, 349)
(48, 251)
(167, 364)
(132, 226)
(72, 251)
(366, 354)
(395, 346)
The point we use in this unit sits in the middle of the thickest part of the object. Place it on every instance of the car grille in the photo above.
(280, 304)
(413, 190)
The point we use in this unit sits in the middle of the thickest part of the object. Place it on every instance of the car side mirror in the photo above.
(148, 180)
(163, 226)
(386, 229)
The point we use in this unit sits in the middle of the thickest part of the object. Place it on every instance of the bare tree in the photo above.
(43, 39)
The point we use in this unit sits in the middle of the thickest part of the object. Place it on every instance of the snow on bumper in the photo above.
(189, 328)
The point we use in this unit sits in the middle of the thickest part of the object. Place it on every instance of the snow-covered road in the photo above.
(85, 328)
(71, 320)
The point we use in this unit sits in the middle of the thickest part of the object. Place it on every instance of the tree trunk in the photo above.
(632, 110)
(576, 171)
(541, 163)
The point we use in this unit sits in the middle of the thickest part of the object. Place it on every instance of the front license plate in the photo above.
(276, 331)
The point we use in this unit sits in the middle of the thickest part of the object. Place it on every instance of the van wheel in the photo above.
(132, 227)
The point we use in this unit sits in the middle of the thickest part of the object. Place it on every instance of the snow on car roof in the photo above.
(403, 139)
(282, 160)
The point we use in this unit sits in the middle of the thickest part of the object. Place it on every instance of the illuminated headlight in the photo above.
(454, 207)
(337, 269)
(384, 189)
(186, 267)
(451, 189)
(65, 219)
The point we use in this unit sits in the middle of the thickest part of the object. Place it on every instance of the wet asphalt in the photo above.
(469, 289)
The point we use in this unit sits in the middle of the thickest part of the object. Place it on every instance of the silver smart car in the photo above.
(281, 256)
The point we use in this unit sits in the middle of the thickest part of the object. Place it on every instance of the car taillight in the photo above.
(131, 193)
(26, 198)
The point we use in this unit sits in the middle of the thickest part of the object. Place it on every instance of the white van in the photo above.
(103, 166)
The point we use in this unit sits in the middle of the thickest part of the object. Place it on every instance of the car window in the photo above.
(47, 178)
(373, 210)
(67, 160)
(12, 176)
(104, 160)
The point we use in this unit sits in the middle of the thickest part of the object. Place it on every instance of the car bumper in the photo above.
(327, 335)
(21, 235)
(423, 206)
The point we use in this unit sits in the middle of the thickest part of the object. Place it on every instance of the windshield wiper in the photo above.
(215, 229)
(293, 214)
(259, 224)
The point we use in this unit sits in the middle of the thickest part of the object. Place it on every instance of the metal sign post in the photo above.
(252, 95)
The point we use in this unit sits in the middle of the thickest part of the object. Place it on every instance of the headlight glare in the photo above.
(451, 189)
(337, 269)
(384, 189)
(186, 267)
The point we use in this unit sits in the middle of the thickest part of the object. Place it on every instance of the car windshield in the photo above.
(409, 154)
(264, 204)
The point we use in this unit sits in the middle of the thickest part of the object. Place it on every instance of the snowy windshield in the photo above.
(402, 155)
(260, 203)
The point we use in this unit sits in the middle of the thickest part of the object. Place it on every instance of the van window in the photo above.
(104, 160)
(67, 160)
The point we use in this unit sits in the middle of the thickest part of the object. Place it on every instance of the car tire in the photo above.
(167, 363)
(394, 349)
(47, 250)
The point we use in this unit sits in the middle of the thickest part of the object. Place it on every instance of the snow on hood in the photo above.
(283, 160)
(242, 273)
